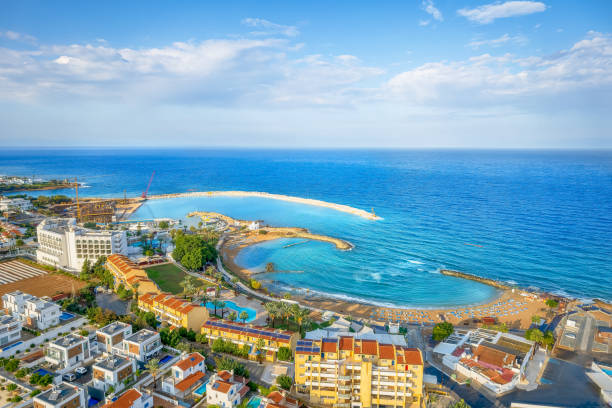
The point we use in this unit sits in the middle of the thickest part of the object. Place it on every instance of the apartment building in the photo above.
(63, 395)
(175, 311)
(10, 329)
(63, 244)
(112, 372)
(245, 334)
(31, 310)
(132, 398)
(142, 346)
(19, 204)
(68, 352)
(226, 389)
(112, 334)
(130, 275)
(185, 375)
(348, 372)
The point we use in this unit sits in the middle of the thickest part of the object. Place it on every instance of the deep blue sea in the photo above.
(535, 218)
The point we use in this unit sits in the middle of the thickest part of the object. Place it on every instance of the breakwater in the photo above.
(469, 276)
(300, 200)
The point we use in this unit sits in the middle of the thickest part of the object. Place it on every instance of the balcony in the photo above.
(344, 387)
(344, 377)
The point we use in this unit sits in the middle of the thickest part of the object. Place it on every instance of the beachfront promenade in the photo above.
(299, 200)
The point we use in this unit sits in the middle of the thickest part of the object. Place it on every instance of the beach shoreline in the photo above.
(281, 197)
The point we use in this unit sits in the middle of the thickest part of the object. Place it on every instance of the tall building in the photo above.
(65, 245)
(347, 372)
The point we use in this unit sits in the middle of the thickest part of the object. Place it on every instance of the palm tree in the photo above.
(190, 285)
(285, 310)
(272, 309)
(222, 306)
(299, 315)
(259, 348)
(210, 270)
(244, 315)
(232, 316)
(153, 367)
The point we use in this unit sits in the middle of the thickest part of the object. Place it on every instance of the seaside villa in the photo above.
(348, 372)
(245, 334)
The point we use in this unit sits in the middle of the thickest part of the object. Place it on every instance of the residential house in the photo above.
(185, 375)
(112, 334)
(10, 329)
(175, 311)
(226, 389)
(68, 352)
(63, 395)
(31, 310)
(113, 372)
(132, 398)
(347, 372)
(258, 339)
(277, 399)
(142, 346)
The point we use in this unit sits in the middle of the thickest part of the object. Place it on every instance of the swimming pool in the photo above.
(12, 345)
(201, 390)
(607, 371)
(234, 307)
(66, 316)
(254, 402)
(165, 359)
(43, 372)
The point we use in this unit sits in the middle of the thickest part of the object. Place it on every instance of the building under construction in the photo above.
(96, 211)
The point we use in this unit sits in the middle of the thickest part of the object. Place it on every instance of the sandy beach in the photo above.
(300, 200)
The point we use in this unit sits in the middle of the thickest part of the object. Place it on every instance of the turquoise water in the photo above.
(233, 306)
(201, 390)
(254, 402)
(536, 218)
(607, 371)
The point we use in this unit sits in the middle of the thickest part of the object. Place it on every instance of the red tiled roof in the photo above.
(189, 382)
(225, 375)
(346, 343)
(126, 400)
(493, 357)
(386, 352)
(413, 356)
(222, 386)
(329, 347)
(369, 347)
(191, 360)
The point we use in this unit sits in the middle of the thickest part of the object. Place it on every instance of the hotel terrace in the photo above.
(346, 372)
(130, 275)
(241, 334)
(173, 310)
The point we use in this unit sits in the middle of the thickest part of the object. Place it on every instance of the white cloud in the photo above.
(497, 42)
(424, 23)
(15, 36)
(269, 28)
(430, 8)
(490, 12)
(584, 69)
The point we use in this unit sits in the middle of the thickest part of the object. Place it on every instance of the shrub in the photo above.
(284, 381)
(11, 387)
(442, 330)
(34, 393)
(255, 284)
(284, 354)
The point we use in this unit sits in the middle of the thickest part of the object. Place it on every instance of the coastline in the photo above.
(299, 200)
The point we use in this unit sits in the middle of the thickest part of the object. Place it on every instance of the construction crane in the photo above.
(144, 194)
(76, 188)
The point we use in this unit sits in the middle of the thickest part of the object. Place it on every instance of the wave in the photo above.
(412, 261)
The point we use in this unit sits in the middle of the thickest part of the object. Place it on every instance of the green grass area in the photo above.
(167, 276)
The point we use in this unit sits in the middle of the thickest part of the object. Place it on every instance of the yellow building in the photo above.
(175, 311)
(346, 372)
(241, 334)
(130, 275)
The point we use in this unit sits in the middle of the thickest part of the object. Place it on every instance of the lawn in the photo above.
(168, 277)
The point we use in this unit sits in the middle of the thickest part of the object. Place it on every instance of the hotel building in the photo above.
(245, 334)
(142, 346)
(128, 274)
(65, 245)
(185, 375)
(31, 310)
(175, 311)
(68, 352)
(347, 372)
(10, 329)
(20, 204)
(63, 395)
(112, 372)
(112, 334)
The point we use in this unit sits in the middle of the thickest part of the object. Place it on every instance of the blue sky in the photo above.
(424, 73)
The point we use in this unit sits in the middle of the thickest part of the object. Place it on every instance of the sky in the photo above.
(340, 74)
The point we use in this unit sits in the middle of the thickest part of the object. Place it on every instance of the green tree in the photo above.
(442, 330)
(243, 316)
(552, 303)
(259, 349)
(232, 316)
(153, 366)
(535, 335)
(272, 309)
(164, 224)
(460, 404)
(284, 381)
(229, 364)
(548, 340)
(19, 242)
(535, 319)
(190, 285)
(284, 354)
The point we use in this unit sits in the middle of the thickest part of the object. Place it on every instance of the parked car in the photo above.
(69, 377)
(80, 371)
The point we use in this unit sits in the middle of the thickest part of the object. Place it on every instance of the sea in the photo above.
(539, 219)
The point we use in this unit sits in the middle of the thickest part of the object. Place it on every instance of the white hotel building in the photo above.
(65, 245)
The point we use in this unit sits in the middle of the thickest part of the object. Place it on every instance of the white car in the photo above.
(80, 370)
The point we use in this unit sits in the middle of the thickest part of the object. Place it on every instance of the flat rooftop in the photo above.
(113, 328)
(69, 341)
(141, 336)
(58, 393)
(112, 363)
(7, 319)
